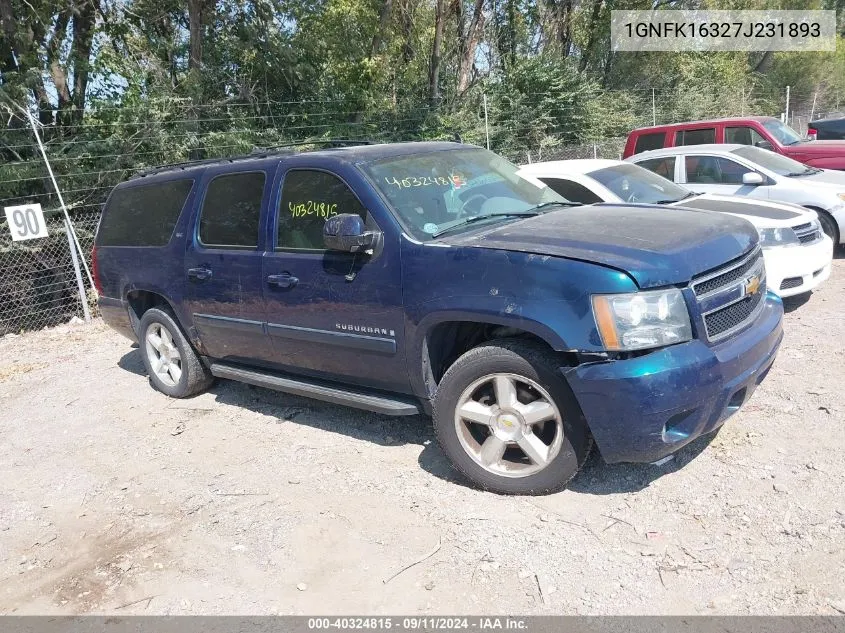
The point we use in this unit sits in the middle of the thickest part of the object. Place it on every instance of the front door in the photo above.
(715, 174)
(223, 267)
(334, 315)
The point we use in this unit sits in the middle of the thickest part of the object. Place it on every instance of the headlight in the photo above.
(777, 237)
(641, 320)
(842, 196)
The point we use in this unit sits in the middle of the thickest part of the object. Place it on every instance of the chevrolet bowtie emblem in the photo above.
(752, 285)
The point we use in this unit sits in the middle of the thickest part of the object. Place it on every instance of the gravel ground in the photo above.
(116, 499)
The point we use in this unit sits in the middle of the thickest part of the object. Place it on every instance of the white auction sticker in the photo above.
(26, 222)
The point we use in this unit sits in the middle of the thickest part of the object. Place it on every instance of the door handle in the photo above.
(199, 274)
(285, 280)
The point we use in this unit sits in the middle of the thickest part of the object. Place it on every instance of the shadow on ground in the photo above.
(596, 477)
(793, 303)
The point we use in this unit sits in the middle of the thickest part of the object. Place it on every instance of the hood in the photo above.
(656, 246)
(816, 149)
(760, 213)
(828, 178)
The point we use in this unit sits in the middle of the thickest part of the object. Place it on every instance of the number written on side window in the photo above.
(308, 199)
(26, 222)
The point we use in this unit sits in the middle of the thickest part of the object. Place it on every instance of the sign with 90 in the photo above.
(26, 222)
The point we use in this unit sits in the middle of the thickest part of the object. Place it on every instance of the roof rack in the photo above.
(326, 142)
(257, 152)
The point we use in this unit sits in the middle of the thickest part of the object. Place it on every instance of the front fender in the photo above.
(546, 296)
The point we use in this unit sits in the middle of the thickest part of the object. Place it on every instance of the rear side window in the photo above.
(231, 210)
(695, 137)
(143, 216)
(572, 191)
(309, 198)
(661, 166)
(646, 142)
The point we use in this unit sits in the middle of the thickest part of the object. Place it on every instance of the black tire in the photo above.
(829, 226)
(525, 359)
(194, 376)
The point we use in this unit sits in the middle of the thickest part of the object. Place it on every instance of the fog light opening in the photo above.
(736, 400)
(673, 430)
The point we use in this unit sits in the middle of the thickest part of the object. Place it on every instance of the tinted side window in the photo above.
(231, 210)
(646, 142)
(713, 170)
(661, 166)
(308, 199)
(143, 216)
(571, 190)
(743, 135)
(730, 173)
(695, 137)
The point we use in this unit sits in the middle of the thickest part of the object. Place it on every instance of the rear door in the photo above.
(223, 275)
(696, 136)
(331, 314)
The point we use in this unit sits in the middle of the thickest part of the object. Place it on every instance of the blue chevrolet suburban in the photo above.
(430, 278)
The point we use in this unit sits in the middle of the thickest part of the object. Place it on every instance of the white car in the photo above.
(797, 253)
(743, 170)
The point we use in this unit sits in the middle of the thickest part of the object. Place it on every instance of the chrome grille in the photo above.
(728, 275)
(723, 295)
(731, 317)
(808, 233)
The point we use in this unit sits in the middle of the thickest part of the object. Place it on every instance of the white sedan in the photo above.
(743, 170)
(797, 253)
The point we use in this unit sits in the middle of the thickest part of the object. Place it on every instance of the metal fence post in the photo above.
(72, 242)
(486, 125)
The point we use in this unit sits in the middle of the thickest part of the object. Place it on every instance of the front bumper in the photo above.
(794, 270)
(642, 409)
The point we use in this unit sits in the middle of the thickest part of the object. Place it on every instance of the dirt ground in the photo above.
(116, 499)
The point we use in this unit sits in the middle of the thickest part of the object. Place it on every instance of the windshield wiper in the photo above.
(807, 172)
(561, 203)
(478, 218)
(689, 194)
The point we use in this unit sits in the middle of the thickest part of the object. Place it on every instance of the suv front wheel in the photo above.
(507, 420)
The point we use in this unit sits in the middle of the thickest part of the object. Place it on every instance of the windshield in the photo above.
(434, 189)
(784, 134)
(781, 165)
(633, 183)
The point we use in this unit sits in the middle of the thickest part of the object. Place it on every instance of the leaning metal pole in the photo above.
(72, 242)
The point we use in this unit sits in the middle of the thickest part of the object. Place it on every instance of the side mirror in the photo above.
(752, 178)
(764, 145)
(346, 232)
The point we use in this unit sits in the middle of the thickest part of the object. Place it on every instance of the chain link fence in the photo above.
(37, 280)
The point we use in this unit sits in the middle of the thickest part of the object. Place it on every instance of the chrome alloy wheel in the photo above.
(509, 425)
(165, 359)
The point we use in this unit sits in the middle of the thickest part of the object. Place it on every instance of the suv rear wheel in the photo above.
(508, 421)
(172, 364)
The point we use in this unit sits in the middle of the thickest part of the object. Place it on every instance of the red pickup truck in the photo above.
(760, 131)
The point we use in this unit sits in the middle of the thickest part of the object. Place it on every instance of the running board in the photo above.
(318, 390)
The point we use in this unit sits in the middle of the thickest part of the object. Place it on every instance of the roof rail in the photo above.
(257, 152)
(326, 142)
